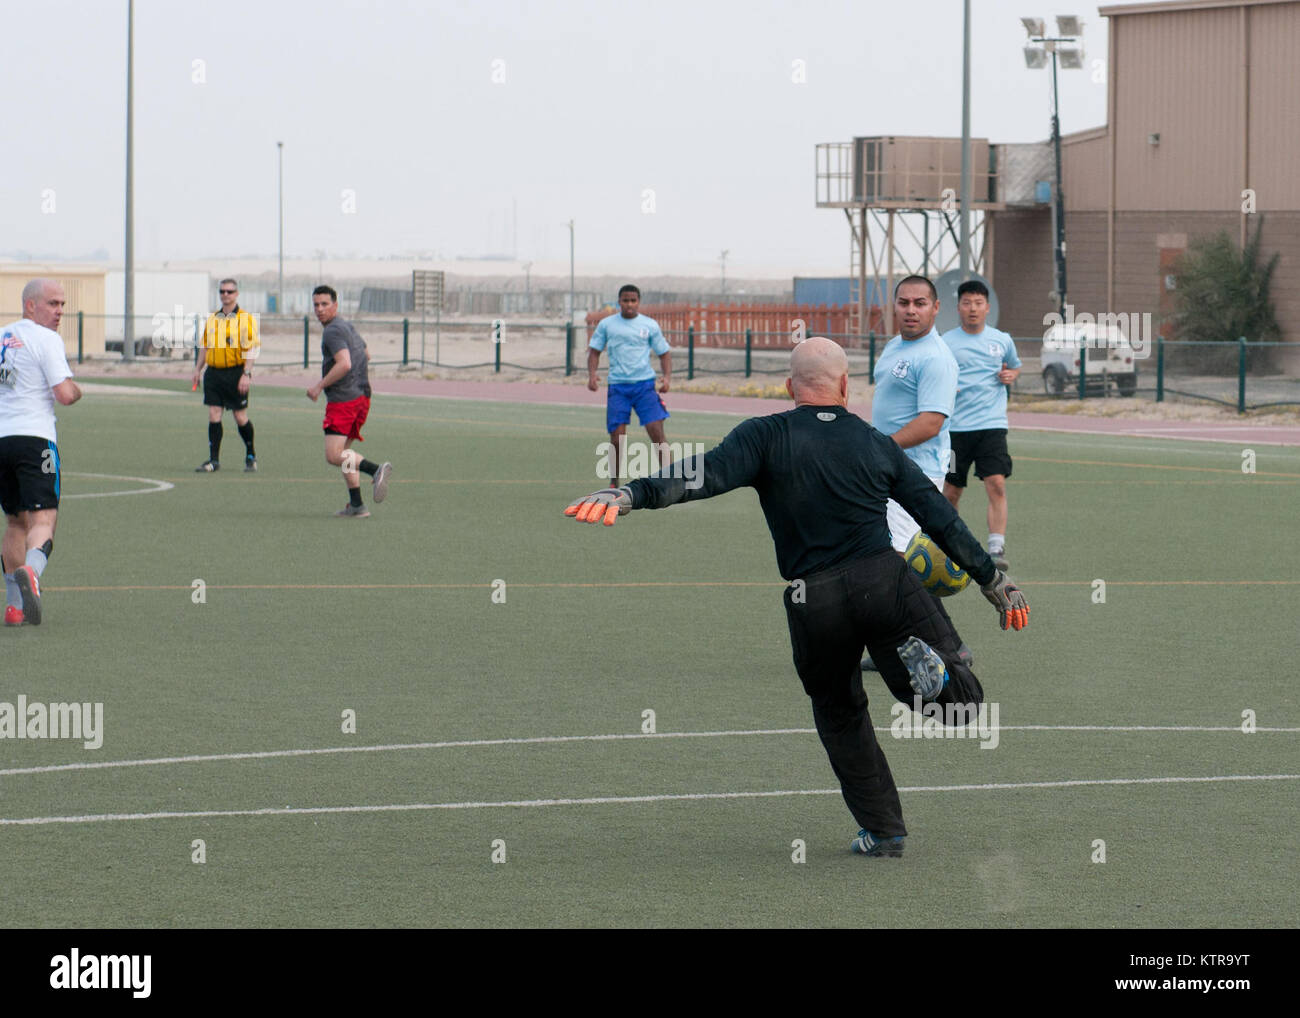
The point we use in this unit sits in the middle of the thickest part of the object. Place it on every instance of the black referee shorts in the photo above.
(221, 388)
(986, 449)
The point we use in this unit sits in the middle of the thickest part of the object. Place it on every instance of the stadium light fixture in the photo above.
(1035, 58)
(1071, 58)
(1069, 26)
(1035, 27)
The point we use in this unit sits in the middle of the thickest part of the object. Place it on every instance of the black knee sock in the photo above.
(367, 467)
(214, 441)
(354, 494)
(246, 433)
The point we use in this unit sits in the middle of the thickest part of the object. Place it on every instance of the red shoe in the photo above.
(25, 577)
(13, 615)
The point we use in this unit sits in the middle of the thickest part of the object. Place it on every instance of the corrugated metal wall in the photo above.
(1022, 269)
(1179, 76)
(1274, 36)
(1084, 170)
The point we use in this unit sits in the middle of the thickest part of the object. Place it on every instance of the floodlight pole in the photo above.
(1059, 205)
(279, 295)
(128, 281)
(965, 142)
(1060, 197)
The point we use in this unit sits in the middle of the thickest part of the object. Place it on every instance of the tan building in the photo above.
(1203, 125)
(84, 289)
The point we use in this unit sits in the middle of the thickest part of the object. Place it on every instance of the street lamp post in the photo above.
(279, 294)
(128, 281)
(964, 243)
(724, 273)
(570, 271)
(1069, 28)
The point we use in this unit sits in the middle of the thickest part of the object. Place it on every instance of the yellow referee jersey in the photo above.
(230, 339)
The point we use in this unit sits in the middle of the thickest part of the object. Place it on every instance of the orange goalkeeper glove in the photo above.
(1006, 597)
(604, 506)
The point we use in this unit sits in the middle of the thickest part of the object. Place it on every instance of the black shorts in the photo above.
(986, 449)
(221, 388)
(29, 474)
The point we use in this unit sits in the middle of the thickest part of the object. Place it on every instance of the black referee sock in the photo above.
(214, 441)
(246, 433)
(355, 495)
(367, 467)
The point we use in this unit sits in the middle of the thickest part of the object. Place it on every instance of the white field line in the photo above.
(1143, 432)
(546, 739)
(157, 485)
(1125, 444)
(103, 389)
(617, 800)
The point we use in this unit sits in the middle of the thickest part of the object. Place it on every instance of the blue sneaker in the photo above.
(867, 843)
(926, 667)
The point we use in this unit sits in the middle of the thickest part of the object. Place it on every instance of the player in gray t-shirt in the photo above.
(346, 384)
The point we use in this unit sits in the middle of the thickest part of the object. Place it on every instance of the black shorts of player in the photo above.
(986, 449)
(29, 474)
(221, 388)
(877, 602)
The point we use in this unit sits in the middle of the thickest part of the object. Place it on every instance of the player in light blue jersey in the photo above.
(916, 384)
(630, 338)
(988, 363)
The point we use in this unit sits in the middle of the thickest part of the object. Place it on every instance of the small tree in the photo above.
(1222, 291)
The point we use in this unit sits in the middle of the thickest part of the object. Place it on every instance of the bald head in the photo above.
(43, 302)
(819, 373)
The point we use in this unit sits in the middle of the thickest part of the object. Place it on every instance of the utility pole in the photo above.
(128, 282)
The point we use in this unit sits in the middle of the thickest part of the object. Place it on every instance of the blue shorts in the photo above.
(624, 396)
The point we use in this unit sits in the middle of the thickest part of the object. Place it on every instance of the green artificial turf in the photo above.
(307, 617)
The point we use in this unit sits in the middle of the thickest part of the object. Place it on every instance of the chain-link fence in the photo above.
(290, 341)
(1241, 374)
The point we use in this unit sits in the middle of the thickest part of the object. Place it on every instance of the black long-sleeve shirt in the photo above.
(822, 475)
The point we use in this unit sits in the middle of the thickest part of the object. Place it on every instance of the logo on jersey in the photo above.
(7, 342)
(824, 416)
(643, 332)
(900, 369)
(995, 349)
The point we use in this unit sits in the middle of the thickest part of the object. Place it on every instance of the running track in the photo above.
(559, 394)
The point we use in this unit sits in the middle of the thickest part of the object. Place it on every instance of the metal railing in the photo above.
(1240, 374)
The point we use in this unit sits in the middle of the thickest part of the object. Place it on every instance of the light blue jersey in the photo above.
(916, 376)
(630, 342)
(981, 398)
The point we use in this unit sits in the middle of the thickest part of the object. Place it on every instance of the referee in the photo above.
(228, 347)
(823, 476)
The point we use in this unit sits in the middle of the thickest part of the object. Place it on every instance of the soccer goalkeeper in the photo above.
(823, 476)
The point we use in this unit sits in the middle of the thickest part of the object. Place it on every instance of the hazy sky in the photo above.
(430, 118)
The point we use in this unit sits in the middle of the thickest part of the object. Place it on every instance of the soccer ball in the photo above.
(940, 574)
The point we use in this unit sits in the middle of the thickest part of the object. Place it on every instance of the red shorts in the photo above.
(346, 418)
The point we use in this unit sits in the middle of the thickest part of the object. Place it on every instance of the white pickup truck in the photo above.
(1110, 359)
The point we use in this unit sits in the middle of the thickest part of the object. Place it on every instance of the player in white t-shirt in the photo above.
(34, 375)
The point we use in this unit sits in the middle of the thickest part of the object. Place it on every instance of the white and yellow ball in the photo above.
(940, 574)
